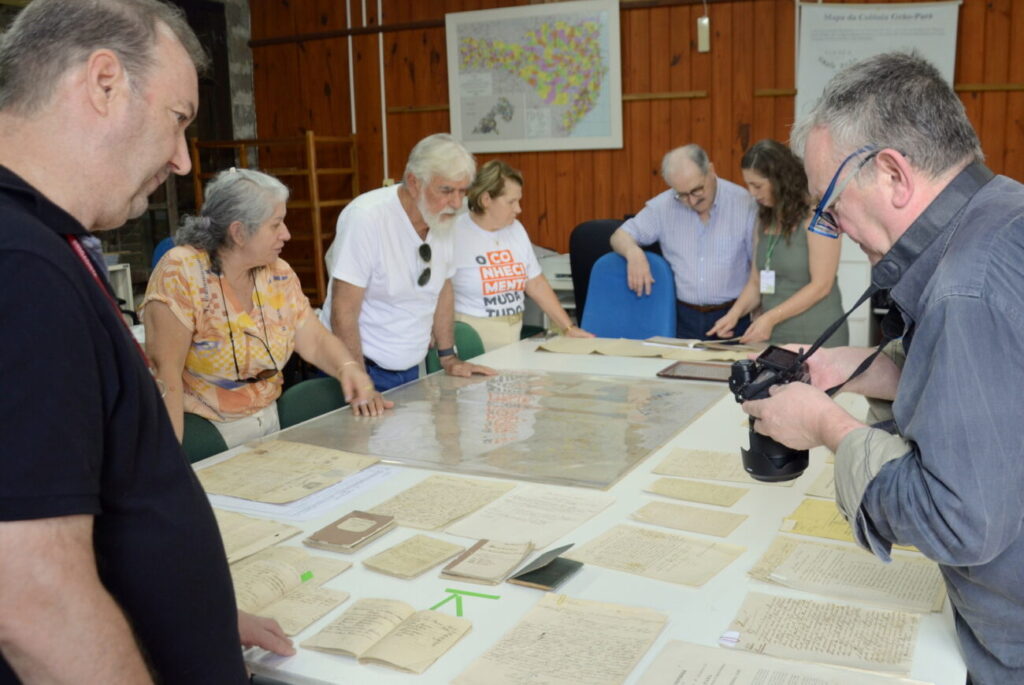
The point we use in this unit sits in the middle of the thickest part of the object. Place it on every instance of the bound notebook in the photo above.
(547, 571)
(351, 531)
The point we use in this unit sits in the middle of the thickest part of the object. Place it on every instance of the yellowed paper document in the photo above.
(437, 501)
(705, 355)
(285, 583)
(825, 484)
(245, 535)
(487, 562)
(566, 641)
(821, 519)
(392, 633)
(417, 555)
(537, 514)
(656, 554)
(911, 583)
(693, 491)
(693, 519)
(277, 471)
(684, 663)
(810, 630)
(708, 464)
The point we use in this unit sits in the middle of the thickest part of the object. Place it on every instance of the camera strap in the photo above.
(887, 328)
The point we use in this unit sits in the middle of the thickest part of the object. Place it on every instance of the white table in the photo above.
(697, 615)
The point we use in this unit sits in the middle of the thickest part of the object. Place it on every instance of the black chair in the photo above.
(588, 242)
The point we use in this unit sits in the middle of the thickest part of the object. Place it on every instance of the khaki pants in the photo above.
(496, 331)
(258, 425)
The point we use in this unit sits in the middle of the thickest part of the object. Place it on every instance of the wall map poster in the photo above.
(542, 77)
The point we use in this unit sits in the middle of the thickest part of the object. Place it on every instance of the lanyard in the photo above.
(80, 251)
(772, 242)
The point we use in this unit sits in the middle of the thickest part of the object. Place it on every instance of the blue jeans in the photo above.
(693, 324)
(385, 379)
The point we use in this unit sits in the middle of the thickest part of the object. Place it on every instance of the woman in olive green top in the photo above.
(793, 277)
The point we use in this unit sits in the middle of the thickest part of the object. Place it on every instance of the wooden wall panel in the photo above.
(305, 84)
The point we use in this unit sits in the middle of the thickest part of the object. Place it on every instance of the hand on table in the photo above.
(457, 367)
(257, 631)
(360, 393)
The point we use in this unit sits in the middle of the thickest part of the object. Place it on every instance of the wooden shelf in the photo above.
(245, 153)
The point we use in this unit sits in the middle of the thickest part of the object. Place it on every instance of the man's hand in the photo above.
(638, 273)
(257, 631)
(801, 417)
(724, 327)
(454, 366)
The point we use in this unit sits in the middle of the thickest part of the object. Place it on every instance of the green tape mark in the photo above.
(308, 575)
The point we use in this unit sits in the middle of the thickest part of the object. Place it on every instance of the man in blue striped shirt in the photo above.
(705, 226)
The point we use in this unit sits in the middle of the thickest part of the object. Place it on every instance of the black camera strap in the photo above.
(887, 329)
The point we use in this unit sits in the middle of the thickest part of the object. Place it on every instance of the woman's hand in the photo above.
(724, 327)
(760, 330)
(360, 393)
(576, 332)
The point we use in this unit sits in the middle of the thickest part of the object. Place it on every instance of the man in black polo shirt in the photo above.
(111, 566)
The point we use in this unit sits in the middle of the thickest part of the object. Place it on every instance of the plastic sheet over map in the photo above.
(564, 428)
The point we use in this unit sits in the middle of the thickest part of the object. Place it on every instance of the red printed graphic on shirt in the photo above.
(502, 281)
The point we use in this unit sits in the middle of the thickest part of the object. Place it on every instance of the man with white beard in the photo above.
(391, 265)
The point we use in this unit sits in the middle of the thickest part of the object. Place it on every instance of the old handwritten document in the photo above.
(693, 519)
(909, 582)
(392, 633)
(439, 500)
(413, 557)
(810, 630)
(821, 519)
(825, 484)
(566, 641)
(537, 514)
(245, 535)
(285, 583)
(277, 471)
(708, 464)
(695, 491)
(684, 663)
(656, 554)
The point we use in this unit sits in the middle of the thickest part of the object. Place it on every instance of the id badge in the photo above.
(767, 282)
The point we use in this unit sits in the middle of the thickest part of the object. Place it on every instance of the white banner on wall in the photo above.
(835, 36)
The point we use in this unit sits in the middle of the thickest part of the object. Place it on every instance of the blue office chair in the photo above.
(615, 311)
(158, 251)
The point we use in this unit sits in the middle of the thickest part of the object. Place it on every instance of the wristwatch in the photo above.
(446, 352)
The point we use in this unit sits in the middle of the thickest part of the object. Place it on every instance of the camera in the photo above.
(768, 460)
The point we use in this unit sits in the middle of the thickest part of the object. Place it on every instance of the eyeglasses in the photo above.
(824, 222)
(695, 194)
(425, 254)
(265, 374)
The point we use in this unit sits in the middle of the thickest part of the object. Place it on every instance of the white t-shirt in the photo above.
(492, 268)
(376, 247)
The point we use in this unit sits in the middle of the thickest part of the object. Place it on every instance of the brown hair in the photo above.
(785, 172)
(491, 180)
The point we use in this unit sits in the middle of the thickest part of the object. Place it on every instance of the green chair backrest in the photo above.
(467, 345)
(307, 399)
(201, 438)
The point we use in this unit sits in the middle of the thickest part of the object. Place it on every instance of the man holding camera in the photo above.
(897, 166)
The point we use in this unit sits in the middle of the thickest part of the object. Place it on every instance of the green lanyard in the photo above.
(771, 248)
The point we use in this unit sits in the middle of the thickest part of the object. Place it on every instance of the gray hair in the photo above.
(48, 37)
(440, 154)
(894, 100)
(234, 195)
(693, 152)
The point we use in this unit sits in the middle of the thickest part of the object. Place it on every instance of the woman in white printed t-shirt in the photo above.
(495, 264)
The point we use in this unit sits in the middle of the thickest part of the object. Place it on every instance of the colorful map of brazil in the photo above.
(560, 61)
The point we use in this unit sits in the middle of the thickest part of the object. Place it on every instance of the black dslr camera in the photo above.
(768, 460)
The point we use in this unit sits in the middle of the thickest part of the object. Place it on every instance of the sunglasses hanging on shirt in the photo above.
(265, 374)
(425, 254)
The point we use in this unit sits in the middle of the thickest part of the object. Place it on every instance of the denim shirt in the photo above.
(951, 482)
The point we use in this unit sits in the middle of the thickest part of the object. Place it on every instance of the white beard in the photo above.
(441, 223)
